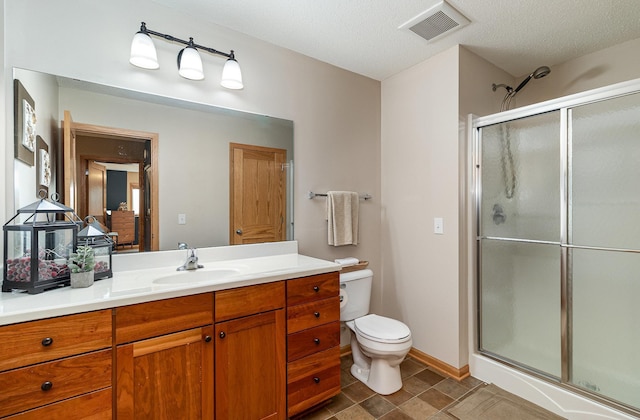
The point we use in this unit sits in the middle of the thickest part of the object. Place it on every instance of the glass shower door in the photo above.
(519, 242)
(604, 243)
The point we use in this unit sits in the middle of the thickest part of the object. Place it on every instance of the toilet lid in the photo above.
(380, 328)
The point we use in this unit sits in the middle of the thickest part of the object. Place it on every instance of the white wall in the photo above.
(601, 68)
(38, 86)
(336, 113)
(420, 180)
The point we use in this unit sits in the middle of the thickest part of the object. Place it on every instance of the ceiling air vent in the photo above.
(436, 22)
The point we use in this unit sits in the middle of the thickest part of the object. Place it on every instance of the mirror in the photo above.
(193, 150)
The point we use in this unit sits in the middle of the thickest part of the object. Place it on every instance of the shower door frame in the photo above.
(564, 106)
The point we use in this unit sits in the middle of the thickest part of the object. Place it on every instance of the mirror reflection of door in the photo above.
(97, 190)
(86, 147)
(257, 194)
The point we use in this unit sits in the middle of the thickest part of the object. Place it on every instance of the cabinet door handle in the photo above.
(316, 379)
(222, 334)
(207, 338)
(46, 386)
(47, 341)
(316, 289)
(317, 341)
(316, 314)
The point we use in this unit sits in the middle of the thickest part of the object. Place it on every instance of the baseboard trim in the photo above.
(345, 351)
(442, 367)
(446, 369)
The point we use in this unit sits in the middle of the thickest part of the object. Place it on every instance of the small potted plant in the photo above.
(81, 264)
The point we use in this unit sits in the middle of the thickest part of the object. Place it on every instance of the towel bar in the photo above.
(311, 195)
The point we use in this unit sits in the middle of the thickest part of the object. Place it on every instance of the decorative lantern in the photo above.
(93, 235)
(36, 250)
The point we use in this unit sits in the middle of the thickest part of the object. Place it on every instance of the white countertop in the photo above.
(152, 276)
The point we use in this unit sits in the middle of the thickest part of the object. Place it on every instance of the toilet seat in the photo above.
(382, 329)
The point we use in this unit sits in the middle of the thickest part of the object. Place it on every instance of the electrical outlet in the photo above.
(438, 226)
(182, 219)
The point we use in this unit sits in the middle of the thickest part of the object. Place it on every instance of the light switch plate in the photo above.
(182, 219)
(438, 226)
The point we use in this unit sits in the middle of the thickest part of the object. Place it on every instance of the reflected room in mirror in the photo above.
(169, 162)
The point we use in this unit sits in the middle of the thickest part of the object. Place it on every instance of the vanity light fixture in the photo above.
(143, 54)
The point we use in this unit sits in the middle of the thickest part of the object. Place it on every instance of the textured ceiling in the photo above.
(363, 36)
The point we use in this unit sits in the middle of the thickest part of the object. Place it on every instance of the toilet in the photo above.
(378, 344)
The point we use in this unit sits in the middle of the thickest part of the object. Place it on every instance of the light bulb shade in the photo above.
(143, 52)
(190, 64)
(231, 75)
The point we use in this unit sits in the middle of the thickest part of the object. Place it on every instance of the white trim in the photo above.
(546, 395)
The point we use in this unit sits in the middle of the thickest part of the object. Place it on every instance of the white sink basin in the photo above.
(196, 276)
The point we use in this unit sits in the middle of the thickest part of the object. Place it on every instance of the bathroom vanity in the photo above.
(254, 334)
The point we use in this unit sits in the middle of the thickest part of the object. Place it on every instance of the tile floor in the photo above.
(425, 394)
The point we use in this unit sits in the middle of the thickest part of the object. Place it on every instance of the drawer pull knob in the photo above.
(317, 341)
(316, 379)
(46, 386)
(222, 334)
(47, 341)
(207, 338)
(316, 314)
(316, 289)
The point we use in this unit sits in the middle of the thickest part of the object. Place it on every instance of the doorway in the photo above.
(86, 151)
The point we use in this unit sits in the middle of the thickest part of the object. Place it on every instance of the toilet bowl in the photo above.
(378, 344)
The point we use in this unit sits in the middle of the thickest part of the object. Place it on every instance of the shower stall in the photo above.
(558, 242)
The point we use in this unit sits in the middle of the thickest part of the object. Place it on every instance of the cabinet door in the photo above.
(167, 377)
(251, 367)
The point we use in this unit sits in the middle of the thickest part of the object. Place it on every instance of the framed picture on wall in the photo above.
(24, 124)
(43, 167)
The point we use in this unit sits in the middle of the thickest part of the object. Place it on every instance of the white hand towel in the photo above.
(342, 217)
(347, 262)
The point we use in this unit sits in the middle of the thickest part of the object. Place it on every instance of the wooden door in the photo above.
(97, 191)
(250, 376)
(257, 194)
(69, 161)
(167, 377)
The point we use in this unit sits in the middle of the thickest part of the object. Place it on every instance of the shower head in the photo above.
(538, 73)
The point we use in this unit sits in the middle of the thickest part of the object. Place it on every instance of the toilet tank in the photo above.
(355, 294)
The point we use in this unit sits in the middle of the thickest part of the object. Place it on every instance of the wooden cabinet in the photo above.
(250, 375)
(164, 364)
(167, 377)
(242, 353)
(54, 365)
(124, 223)
(313, 341)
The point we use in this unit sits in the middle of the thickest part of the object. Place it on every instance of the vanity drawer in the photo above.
(33, 342)
(313, 340)
(312, 288)
(93, 406)
(312, 380)
(248, 300)
(152, 319)
(309, 315)
(45, 383)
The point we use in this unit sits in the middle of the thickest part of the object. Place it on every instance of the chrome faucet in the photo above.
(192, 261)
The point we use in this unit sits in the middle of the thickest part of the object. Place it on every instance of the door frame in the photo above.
(96, 131)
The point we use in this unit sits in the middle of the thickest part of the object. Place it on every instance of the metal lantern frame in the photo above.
(93, 235)
(40, 247)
